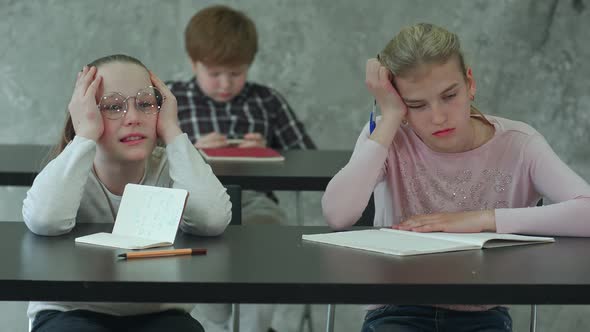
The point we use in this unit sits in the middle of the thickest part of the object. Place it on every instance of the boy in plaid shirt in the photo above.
(218, 104)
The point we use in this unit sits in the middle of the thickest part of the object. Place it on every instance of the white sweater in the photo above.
(67, 190)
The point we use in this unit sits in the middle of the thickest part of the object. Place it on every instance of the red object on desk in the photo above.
(241, 154)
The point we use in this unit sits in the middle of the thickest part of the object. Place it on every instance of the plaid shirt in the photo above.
(256, 109)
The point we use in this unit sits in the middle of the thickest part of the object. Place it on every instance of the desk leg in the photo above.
(236, 317)
(306, 316)
(330, 318)
(298, 208)
(533, 322)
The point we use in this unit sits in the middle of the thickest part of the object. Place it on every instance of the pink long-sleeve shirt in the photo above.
(509, 174)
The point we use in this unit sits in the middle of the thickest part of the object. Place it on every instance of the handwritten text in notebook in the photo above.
(148, 217)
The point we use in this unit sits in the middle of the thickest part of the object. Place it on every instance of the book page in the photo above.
(395, 243)
(484, 239)
(150, 212)
(120, 241)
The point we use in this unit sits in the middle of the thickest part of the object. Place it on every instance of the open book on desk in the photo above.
(148, 217)
(255, 154)
(405, 243)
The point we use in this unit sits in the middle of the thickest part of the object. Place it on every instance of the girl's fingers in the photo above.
(93, 88)
(160, 85)
(80, 75)
(371, 72)
(154, 78)
(87, 79)
(384, 77)
(427, 228)
(157, 82)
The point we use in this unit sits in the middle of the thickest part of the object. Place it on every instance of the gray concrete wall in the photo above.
(530, 60)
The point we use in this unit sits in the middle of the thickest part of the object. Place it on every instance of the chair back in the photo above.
(235, 197)
(368, 215)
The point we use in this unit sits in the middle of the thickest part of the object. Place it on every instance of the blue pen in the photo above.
(372, 123)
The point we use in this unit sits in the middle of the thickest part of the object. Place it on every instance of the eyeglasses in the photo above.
(147, 100)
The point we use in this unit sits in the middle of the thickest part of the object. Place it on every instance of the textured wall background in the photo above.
(530, 60)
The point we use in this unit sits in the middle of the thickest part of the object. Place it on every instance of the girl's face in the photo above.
(438, 101)
(133, 136)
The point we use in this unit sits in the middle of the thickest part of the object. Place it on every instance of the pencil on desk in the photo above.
(163, 253)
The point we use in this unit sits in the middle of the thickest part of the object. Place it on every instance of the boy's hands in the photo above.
(212, 140)
(167, 127)
(253, 140)
(83, 109)
(217, 140)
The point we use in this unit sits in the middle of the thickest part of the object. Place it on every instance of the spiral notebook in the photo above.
(148, 217)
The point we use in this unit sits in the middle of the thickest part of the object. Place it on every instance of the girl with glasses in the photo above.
(118, 112)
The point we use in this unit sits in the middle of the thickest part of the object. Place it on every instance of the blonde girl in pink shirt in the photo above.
(436, 163)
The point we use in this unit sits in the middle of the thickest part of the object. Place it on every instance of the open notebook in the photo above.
(241, 154)
(405, 243)
(148, 217)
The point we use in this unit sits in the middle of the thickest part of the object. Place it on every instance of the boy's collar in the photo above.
(242, 96)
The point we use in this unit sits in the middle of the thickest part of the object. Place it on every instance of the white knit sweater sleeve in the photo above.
(52, 202)
(208, 209)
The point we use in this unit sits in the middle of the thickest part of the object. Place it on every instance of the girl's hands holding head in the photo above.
(83, 108)
(167, 128)
(378, 80)
(393, 109)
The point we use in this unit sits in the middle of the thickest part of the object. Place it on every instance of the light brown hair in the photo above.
(220, 35)
(422, 44)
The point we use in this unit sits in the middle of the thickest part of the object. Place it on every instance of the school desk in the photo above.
(262, 264)
(303, 170)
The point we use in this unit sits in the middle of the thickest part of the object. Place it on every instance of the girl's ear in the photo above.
(471, 86)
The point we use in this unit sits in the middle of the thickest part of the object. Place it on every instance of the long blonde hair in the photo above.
(421, 44)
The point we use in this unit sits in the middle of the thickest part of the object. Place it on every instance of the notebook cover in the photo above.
(241, 153)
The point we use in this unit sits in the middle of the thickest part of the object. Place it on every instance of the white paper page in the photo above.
(395, 243)
(150, 212)
(478, 239)
(119, 241)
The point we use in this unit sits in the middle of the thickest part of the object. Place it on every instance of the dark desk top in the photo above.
(308, 170)
(271, 264)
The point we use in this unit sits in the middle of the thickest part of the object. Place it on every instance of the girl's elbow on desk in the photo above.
(335, 217)
(48, 228)
(338, 221)
(211, 228)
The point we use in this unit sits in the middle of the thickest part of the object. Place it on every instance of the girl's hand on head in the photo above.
(451, 222)
(253, 140)
(378, 80)
(83, 109)
(212, 140)
(167, 127)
